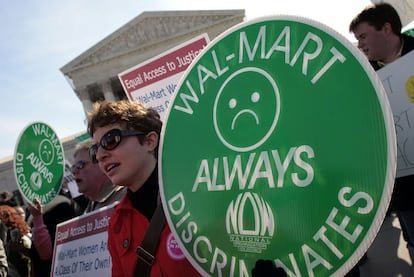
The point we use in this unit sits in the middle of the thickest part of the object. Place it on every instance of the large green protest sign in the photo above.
(39, 163)
(279, 145)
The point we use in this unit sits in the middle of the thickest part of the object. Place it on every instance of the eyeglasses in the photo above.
(111, 140)
(79, 165)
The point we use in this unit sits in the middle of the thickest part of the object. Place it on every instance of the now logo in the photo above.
(240, 222)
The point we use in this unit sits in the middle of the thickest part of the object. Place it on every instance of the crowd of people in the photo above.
(119, 165)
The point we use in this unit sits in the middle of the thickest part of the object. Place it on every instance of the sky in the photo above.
(40, 37)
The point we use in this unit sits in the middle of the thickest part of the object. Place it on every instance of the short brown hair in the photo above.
(376, 16)
(130, 115)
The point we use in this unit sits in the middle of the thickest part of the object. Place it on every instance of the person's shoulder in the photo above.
(114, 193)
(120, 214)
(375, 65)
(124, 204)
(407, 37)
(119, 193)
(408, 43)
(61, 209)
(59, 200)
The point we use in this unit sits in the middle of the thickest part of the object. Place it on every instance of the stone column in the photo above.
(107, 91)
(85, 99)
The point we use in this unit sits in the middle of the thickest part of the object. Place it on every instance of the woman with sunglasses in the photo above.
(127, 136)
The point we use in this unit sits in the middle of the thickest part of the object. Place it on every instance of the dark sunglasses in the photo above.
(111, 140)
(78, 165)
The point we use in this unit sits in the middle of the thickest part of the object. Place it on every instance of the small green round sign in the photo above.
(39, 163)
(279, 145)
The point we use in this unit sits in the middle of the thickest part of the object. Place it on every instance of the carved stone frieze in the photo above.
(148, 29)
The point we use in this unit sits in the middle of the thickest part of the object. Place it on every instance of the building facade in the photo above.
(93, 75)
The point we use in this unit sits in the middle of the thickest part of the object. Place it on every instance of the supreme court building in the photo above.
(93, 75)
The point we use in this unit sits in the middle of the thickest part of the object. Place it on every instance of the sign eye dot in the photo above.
(255, 97)
(232, 103)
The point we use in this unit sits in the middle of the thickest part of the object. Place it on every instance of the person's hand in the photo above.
(266, 268)
(36, 209)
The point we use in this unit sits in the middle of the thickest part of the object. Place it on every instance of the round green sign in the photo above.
(39, 163)
(279, 145)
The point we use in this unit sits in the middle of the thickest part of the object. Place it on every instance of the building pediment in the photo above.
(150, 29)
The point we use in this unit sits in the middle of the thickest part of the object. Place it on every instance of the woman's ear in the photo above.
(152, 140)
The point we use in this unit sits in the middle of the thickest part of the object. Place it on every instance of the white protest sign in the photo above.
(153, 81)
(398, 81)
(81, 246)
